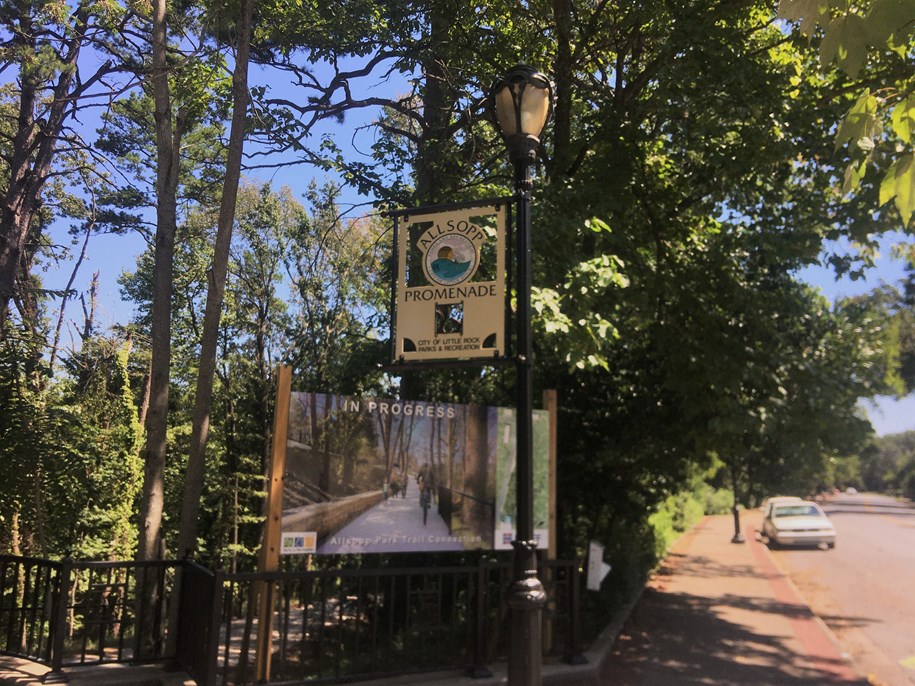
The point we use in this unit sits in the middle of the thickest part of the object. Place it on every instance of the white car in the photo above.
(798, 523)
(769, 503)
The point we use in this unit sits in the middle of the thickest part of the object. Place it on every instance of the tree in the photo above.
(168, 132)
(888, 463)
(878, 128)
(48, 44)
(332, 269)
(187, 530)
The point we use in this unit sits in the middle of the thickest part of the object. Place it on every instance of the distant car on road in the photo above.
(851, 490)
(798, 523)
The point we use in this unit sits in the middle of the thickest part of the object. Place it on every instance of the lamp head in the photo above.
(520, 105)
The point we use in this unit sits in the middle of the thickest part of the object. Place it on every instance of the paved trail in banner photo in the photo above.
(393, 525)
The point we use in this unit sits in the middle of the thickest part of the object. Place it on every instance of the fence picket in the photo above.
(335, 625)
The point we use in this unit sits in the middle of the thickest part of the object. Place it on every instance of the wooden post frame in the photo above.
(269, 556)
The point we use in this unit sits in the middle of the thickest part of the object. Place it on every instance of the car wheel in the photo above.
(832, 545)
(772, 543)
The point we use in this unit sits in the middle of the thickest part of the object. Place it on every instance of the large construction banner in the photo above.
(366, 475)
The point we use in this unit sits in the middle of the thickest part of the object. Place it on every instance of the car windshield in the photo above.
(796, 511)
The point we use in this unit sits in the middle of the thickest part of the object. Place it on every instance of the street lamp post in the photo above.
(520, 103)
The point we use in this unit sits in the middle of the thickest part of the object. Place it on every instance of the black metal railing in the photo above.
(326, 625)
(199, 618)
(28, 597)
(77, 613)
(335, 625)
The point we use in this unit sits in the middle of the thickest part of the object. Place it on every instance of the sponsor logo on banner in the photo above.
(298, 542)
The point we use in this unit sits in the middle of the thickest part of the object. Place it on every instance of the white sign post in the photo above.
(597, 568)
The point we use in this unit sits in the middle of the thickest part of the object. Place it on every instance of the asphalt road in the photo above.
(865, 589)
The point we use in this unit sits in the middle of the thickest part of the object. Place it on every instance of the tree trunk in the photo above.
(150, 543)
(203, 402)
(562, 73)
(167, 139)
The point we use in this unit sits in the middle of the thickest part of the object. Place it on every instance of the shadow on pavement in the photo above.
(681, 639)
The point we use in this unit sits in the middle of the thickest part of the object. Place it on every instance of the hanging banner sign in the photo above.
(450, 285)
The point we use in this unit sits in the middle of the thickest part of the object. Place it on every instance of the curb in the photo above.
(816, 618)
(853, 672)
(600, 650)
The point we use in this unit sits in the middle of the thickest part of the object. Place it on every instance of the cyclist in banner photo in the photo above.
(426, 480)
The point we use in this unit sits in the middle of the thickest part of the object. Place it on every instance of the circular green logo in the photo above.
(450, 260)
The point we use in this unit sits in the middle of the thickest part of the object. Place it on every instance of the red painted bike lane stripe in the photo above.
(818, 646)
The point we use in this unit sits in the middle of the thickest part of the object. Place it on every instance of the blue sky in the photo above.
(109, 255)
(887, 414)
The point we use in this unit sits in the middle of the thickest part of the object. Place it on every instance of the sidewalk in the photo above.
(15, 672)
(722, 613)
(717, 613)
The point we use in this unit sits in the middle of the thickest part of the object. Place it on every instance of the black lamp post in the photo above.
(520, 103)
(735, 510)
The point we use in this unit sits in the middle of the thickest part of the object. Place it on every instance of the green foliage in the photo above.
(888, 464)
(107, 449)
(128, 137)
(879, 124)
(565, 314)
(71, 454)
(337, 292)
(677, 514)
(851, 29)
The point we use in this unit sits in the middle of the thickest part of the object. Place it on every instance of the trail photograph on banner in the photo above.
(366, 475)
